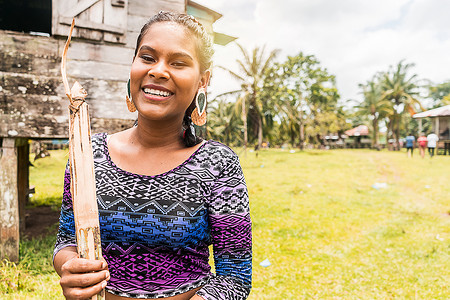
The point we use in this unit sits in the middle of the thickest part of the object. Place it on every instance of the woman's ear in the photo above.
(204, 80)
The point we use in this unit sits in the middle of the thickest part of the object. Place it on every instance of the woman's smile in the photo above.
(156, 92)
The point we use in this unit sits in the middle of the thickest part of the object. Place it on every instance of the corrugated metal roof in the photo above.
(437, 112)
(358, 131)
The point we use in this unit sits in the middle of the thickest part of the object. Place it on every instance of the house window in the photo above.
(96, 20)
(26, 15)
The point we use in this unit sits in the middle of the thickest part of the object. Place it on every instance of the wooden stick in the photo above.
(81, 160)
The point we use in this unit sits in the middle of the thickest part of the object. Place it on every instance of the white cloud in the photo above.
(353, 39)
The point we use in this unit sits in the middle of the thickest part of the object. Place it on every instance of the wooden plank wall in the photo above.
(32, 99)
(140, 11)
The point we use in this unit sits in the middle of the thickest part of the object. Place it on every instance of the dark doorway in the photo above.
(26, 15)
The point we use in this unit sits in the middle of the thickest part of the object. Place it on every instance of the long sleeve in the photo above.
(229, 218)
(66, 233)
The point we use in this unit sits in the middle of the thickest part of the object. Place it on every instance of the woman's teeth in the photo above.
(157, 92)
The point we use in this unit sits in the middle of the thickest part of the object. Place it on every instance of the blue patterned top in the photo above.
(155, 230)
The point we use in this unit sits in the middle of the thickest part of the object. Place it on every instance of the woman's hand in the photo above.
(82, 278)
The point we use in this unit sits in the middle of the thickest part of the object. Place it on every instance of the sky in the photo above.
(353, 39)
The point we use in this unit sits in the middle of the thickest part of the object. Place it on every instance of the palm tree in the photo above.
(223, 119)
(252, 72)
(374, 105)
(401, 90)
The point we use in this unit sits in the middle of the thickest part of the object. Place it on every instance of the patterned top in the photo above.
(156, 230)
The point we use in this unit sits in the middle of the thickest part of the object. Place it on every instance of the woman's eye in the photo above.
(148, 58)
(179, 63)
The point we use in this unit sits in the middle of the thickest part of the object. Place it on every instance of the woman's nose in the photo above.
(159, 71)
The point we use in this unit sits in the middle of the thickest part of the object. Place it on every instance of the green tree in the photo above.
(224, 123)
(252, 67)
(402, 90)
(301, 90)
(440, 93)
(374, 105)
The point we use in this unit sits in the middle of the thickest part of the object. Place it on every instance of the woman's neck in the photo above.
(150, 134)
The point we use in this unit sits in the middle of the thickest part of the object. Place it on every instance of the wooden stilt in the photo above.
(9, 204)
(23, 161)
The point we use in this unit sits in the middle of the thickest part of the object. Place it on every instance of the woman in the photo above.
(422, 140)
(410, 139)
(164, 195)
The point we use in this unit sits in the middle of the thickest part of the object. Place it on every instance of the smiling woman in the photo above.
(164, 194)
(166, 73)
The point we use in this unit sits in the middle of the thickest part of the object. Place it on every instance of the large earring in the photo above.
(130, 104)
(198, 115)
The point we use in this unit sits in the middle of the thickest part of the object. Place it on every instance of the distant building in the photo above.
(440, 125)
(358, 137)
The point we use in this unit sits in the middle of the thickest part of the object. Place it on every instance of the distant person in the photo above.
(422, 140)
(432, 140)
(410, 139)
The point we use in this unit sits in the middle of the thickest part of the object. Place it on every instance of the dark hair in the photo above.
(205, 52)
(204, 44)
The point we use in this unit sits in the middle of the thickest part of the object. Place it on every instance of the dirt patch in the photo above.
(40, 220)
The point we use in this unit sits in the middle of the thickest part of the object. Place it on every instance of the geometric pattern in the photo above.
(155, 230)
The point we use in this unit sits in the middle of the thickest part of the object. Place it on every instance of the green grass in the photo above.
(47, 176)
(33, 277)
(330, 235)
(316, 217)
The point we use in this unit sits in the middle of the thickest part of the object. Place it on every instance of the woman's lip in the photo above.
(156, 87)
(155, 97)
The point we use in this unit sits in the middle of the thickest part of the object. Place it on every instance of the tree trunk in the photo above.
(302, 129)
(293, 136)
(396, 131)
(244, 120)
(375, 132)
(390, 131)
(377, 143)
(260, 132)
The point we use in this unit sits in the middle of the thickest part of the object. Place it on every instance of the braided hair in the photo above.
(204, 50)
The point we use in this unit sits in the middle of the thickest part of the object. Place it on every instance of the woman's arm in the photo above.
(80, 278)
(229, 218)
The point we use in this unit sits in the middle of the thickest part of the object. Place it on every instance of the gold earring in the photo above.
(198, 115)
(130, 104)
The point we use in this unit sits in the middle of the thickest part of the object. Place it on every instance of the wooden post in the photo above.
(436, 127)
(84, 199)
(9, 204)
(23, 161)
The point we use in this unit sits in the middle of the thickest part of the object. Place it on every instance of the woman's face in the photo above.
(165, 74)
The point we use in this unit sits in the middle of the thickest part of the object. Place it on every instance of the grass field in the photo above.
(316, 217)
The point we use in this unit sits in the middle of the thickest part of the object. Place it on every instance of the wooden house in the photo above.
(440, 125)
(33, 104)
(358, 137)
